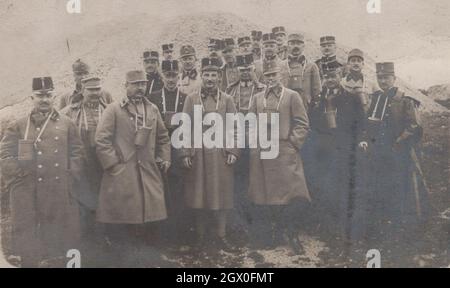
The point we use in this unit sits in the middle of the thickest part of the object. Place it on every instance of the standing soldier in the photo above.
(41, 155)
(86, 116)
(245, 45)
(270, 55)
(151, 66)
(190, 80)
(275, 183)
(80, 71)
(170, 101)
(243, 92)
(133, 147)
(230, 72)
(328, 60)
(355, 81)
(303, 75)
(256, 44)
(167, 51)
(215, 47)
(399, 199)
(280, 34)
(209, 178)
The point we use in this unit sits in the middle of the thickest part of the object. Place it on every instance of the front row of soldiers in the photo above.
(114, 161)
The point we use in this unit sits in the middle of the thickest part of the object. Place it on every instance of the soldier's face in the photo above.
(168, 55)
(92, 95)
(269, 49)
(188, 62)
(78, 76)
(328, 49)
(386, 81)
(210, 79)
(245, 74)
(136, 90)
(281, 38)
(43, 102)
(332, 81)
(356, 64)
(296, 47)
(170, 80)
(272, 79)
(228, 55)
(245, 48)
(151, 65)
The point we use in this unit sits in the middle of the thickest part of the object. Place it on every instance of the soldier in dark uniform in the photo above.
(280, 34)
(398, 199)
(230, 72)
(190, 80)
(151, 67)
(170, 101)
(245, 45)
(41, 156)
(328, 60)
(167, 51)
(80, 71)
(86, 114)
(256, 44)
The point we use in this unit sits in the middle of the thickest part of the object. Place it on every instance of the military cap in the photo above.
(244, 60)
(385, 68)
(244, 40)
(42, 84)
(270, 67)
(268, 38)
(228, 43)
(327, 40)
(257, 35)
(216, 43)
(80, 67)
(187, 50)
(279, 30)
(356, 53)
(331, 71)
(167, 47)
(91, 83)
(169, 66)
(296, 37)
(150, 54)
(136, 76)
(210, 63)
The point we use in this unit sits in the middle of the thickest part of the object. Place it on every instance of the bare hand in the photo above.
(363, 145)
(231, 159)
(164, 166)
(187, 162)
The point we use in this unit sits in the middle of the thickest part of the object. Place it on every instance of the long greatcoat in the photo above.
(45, 213)
(280, 180)
(209, 183)
(133, 193)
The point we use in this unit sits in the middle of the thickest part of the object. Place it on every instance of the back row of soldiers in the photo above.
(113, 161)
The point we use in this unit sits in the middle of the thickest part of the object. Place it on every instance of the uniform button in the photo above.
(56, 138)
(139, 162)
(39, 152)
(39, 140)
(56, 151)
(56, 164)
(38, 129)
(56, 127)
(57, 177)
(131, 118)
(40, 166)
(39, 179)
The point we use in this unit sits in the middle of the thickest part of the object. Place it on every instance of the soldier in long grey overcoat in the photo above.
(41, 156)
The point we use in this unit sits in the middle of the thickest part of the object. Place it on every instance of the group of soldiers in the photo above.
(346, 147)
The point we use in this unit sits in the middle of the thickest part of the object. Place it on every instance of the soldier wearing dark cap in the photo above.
(86, 116)
(209, 177)
(398, 199)
(355, 81)
(276, 183)
(230, 72)
(270, 54)
(215, 47)
(80, 71)
(303, 74)
(41, 156)
(245, 45)
(133, 147)
(328, 60)
(167, 51)
(256, 44)
(190, 80)
(170, 101)
(280, 35)
(151, 67)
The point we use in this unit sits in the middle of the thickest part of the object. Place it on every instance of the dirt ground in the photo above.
(427, 248)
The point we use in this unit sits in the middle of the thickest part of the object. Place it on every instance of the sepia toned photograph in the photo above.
(224, 134)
